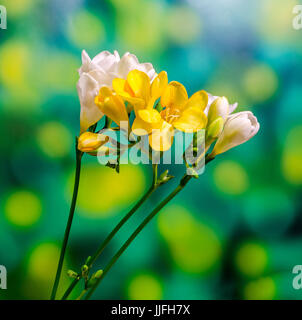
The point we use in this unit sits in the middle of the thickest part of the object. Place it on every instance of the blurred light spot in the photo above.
(41, 269)
(260, 83)
(274, 21)
(17, 8)
(103, 192)
(268, 211)
(15, 74)
(43, 261)
(194, 246)
(85, 29)
(60, 72)
(230, 177)
(23, 208)
(229, 89)
(14, 57)
(292, 156)
(260, 289)
(54, 139)
(145, 286)
(251, 259)
(140, 26)
(185, 32)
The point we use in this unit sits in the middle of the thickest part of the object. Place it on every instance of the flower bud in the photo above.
(215, 128)
(94, 278)
(84, 270)
(239, 128)
(72, 274)
(164, 178)
(219, 108)
(98, 274)
(90, 142)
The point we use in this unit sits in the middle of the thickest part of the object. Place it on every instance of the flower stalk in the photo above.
(79, 155)
(182, 184)
(104, 244)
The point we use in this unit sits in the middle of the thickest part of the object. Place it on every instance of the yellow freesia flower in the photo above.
(90, 142)
(177, 110)
(112, 105)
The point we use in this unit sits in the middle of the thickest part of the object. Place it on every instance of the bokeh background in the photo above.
(236, 233)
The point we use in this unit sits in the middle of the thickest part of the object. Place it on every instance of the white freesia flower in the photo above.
(239, 128)
(99, 72)
(229, 108)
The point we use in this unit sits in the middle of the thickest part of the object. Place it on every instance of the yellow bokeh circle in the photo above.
(194, 246)
(23, 208)
(251, 259)
(145, 286)
(260, 289)
(85, 29)
(41, 269)
(54, 139)
(260, 83)
(183, 25)
(292, 156)
(230, 177)
(104, 192)
(43, 261)
(17, 8)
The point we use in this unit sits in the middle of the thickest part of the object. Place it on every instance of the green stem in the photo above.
(81, 294)
(69, 222)
(126, 218)
(116, 229)
(181, 185)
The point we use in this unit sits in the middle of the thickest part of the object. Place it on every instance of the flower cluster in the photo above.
(116, 87)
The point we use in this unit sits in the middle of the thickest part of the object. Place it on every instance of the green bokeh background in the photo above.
(236, 233)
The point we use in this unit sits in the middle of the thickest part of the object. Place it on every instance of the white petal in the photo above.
(130, 62)
(239, 128)
(88, 88)
(105, 61)
(233, 107)
(86, 61)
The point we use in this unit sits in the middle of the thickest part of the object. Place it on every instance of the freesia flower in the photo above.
(231, 107)
(90, 142)
(111, 105)
(217, 111)
(239, 128)
(175, 111)
(99, 72)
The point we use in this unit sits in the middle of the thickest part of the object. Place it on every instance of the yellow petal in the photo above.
(149, 115)
(89, 141)
(161, 139)
(114, 108)
(198, 99)
(191, 120)
(175, 95)
(158, 85)
(118, 85)
(141, 127)
(122, 88)
(146, 120)
(139, 83)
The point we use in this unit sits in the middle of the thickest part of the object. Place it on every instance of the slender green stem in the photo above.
(183, 182)
(70, 288)
(82, 294)
(116, 229)
(69, 222)
(181, 185)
